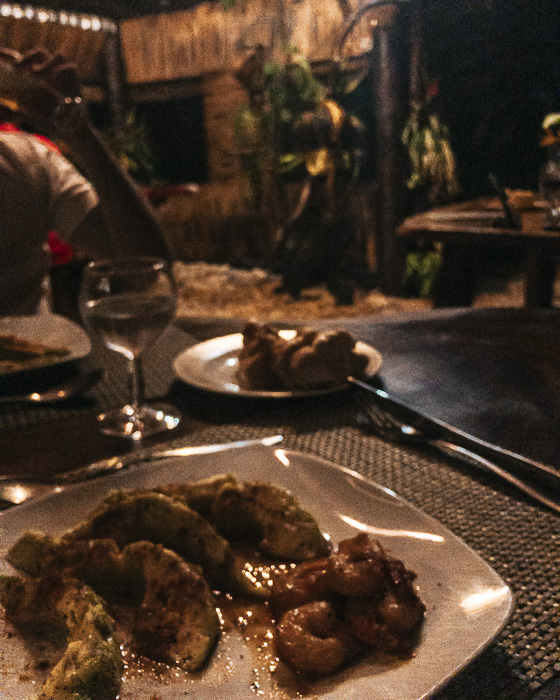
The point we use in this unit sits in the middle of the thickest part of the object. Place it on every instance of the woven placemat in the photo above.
(521, 541)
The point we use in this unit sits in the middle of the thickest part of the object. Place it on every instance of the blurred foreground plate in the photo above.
(467, 602)
(51, 330)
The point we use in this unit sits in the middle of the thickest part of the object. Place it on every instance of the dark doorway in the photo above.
(176, 136)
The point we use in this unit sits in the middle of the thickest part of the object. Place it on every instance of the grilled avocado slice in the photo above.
(176, 620)
(132, 516)
(70, 614)
(273, 517)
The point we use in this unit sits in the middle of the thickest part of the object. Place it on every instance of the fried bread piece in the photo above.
(310, 360)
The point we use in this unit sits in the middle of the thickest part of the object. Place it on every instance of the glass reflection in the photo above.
(363, 527)
(487, 598)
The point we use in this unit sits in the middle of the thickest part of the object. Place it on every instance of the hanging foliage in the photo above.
(433, 174)
(433, 167)
(294, 129)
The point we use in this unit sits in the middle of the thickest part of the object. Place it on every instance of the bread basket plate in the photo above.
(212, 365)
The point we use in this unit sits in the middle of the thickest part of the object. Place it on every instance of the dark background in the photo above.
(497, 63)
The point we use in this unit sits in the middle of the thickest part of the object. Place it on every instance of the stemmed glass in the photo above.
(128, 303)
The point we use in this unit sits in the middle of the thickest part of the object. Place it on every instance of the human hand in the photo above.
(53, 70)
(57, 79)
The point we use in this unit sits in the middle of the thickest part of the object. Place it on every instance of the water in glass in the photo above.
(128, 304)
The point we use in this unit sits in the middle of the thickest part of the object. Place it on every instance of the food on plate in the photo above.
(18, 353)
(199, 495)
(271, 517)
(312, 638)
(146, 515)
(175, 620)
(73, 619)
(265, 515)
(310, 360)
(177, 558)
(359, 598)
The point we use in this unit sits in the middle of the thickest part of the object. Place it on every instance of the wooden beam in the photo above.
(390, 71)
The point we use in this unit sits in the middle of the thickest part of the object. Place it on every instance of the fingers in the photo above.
(32, 60)
(53, 69)
(9, 56)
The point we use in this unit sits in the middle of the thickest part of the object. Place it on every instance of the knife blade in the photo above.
(116, 464)
(437, 429)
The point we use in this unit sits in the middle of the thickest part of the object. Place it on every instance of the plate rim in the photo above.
(235, 339)
(112, 480)
(81, 342)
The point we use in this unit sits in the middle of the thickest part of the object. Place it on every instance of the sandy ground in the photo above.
(219, 291)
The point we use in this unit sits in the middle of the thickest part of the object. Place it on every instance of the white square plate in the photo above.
(467, 602)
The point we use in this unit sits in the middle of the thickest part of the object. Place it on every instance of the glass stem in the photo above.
(137, 382)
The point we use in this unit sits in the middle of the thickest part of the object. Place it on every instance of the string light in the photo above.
(85, 22)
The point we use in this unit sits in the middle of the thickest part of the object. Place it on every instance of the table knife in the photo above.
(116, 464)
(434, 428)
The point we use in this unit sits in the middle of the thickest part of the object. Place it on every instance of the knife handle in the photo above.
(453, 450)
(524, 467)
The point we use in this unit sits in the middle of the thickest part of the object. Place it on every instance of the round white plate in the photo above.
(212, 365)
(50, 329)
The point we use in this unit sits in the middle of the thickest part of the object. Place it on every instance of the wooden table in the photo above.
(467, 231)
(495, 373)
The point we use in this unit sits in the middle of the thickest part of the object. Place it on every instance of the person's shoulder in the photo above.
(22, 144)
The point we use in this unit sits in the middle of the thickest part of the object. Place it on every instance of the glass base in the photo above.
(136, 423)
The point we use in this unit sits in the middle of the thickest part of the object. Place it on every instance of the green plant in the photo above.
(420, 272)
(131, 147)
(293, 122)
(433, 174)
(295, 131)
(432, 161)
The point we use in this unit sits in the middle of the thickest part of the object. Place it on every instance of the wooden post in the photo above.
(390, 77)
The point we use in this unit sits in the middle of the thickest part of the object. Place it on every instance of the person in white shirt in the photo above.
(41, 191)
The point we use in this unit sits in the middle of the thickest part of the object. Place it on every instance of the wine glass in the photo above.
(128, 303)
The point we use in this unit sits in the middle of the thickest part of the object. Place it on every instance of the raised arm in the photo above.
(123, 223)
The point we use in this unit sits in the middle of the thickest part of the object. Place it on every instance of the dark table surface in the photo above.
(492, 372)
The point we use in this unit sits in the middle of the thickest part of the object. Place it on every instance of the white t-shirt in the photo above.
(40, 191)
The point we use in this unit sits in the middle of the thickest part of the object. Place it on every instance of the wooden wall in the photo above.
(197, 51)
(83, 46)
(208, 39)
